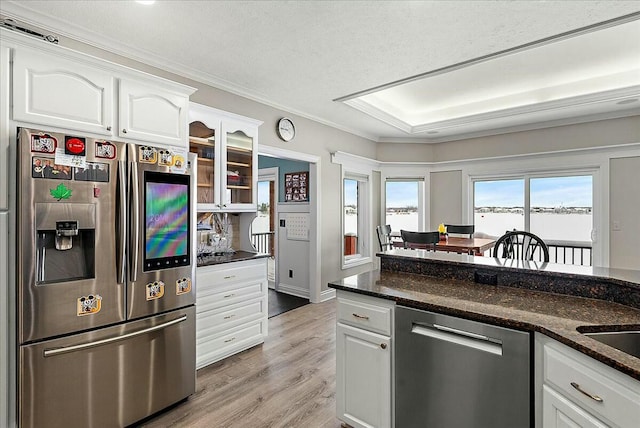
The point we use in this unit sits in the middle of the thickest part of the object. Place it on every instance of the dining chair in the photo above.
(384, 237)
(464, 229)
(419, 239)
(521, 245)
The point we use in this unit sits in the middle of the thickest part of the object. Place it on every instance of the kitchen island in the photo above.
(553, 302)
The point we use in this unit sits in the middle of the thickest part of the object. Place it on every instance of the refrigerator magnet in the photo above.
(165, 158)
(43, 143)
(155, 290)
(147, 154)
(105, 150)
(183, 286)
(89, 305)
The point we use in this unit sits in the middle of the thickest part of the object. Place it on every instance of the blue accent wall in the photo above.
(284, 166)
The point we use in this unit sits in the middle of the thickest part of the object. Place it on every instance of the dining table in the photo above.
(454, 244)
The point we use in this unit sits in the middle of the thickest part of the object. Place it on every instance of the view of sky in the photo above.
(350, 192)
(402, 194)
(545, 192)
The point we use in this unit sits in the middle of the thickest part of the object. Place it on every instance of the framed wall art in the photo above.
(296, 186)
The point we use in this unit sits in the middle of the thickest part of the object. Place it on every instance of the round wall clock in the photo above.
(286, 130)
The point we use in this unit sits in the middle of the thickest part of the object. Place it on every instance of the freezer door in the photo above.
(70, 241)
(110, 377)
(162, 221)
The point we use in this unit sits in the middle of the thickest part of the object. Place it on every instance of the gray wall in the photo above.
(624, 200)
(446, 198)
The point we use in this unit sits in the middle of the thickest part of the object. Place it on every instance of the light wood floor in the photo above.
(289, 381)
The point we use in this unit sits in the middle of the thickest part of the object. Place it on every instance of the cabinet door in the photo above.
(149, 113)
(558, 412)
(363, 377)
(204, 141)
(239, 172)
(50, 90)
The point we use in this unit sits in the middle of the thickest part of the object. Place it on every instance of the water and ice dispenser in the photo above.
(65, 242)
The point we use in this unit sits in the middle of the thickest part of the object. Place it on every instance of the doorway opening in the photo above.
(263, 228)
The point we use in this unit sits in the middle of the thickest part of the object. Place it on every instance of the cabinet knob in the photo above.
(383, 345)
(124, 131)
(108, 128)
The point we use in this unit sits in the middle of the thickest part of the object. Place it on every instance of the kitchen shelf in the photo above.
(242, 164)
(234, 186)
(239, 150)
(204, 184)
(205, 160)
(201, 141)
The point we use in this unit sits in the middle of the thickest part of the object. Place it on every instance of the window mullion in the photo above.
(527, 203)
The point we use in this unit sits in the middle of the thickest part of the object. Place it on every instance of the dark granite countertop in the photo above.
(236, 256)
(555, 315)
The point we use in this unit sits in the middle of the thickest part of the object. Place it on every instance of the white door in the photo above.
(50, 90)
(363, 377)
(558, 412)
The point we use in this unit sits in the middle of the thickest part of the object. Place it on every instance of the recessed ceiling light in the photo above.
(627, 101)
(146, 2)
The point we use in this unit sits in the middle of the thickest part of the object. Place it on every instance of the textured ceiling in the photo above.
(301, 55)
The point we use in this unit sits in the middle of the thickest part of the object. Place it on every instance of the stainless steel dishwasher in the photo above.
(455, 373)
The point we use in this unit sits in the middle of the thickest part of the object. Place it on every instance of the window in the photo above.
(356, 219)
(404, 204)
(558, 208)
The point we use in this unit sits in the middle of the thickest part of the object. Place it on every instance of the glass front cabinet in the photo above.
(226, 145)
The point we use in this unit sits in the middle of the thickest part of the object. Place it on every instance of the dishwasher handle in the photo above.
(458, 337)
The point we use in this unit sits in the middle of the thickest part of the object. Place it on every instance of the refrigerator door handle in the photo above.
(135, 222)
(122, 221)
(67, 349)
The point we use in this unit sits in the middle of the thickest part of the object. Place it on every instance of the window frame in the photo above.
(364, 254)
(598, 205)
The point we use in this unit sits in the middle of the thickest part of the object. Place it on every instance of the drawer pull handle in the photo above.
(230, 340)
(229, 277)
(593, 397)
(229, 295)
(383, 345)
(362, 317)
(228, 317)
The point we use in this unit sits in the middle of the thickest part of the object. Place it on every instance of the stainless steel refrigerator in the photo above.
(106, 270)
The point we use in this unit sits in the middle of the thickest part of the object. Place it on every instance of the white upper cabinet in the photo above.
(149, 113)
(49, 90)
(227, 149)
(53, 86)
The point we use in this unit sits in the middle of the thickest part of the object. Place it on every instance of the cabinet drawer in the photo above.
(215, 276)
(222, 346)
(211, 323)
(620, 396)
(229, 296)
(364, 315)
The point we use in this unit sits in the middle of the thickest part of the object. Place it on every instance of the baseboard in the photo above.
(327, 295)
(293, 290)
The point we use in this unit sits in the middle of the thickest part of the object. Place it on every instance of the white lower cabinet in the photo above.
(364, 381)
(231, 309)
(579, 391)
(559, 412)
